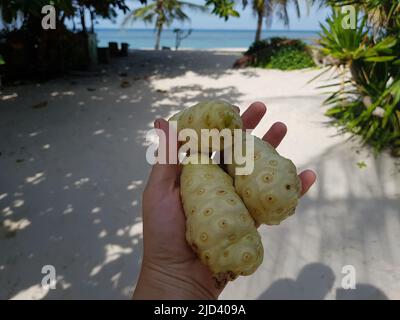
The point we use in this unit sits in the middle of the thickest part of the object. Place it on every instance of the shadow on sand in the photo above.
(351, 216)
(73, 169)
(314, 282)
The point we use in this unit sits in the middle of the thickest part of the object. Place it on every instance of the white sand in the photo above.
(72, 174)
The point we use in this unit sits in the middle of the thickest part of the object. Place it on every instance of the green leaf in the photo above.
(334, 111)
(361, 164)
(380, 59)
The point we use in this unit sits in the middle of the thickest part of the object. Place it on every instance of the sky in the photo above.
(246, 21)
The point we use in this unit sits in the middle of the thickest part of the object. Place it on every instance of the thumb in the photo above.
(168, 171)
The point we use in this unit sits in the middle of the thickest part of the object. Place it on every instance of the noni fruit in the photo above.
(218, 226)
(271, 191)
(216, 114)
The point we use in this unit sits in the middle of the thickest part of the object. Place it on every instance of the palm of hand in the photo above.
(168, 248)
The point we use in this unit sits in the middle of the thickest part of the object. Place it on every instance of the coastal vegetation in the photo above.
(278, 53)
(366, 96)
(30, 52)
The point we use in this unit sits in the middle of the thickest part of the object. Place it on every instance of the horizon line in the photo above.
(210, 29)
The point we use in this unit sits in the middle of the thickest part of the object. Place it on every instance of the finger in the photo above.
(307, 178)
(275, 134)
(169, 172)
(253, 115)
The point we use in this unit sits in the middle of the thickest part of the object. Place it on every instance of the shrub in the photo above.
(280, 53)
(366, 100)
(290, 59)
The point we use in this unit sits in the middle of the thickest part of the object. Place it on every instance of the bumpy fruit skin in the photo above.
(214, 114)
(272, 190)
(218, 226)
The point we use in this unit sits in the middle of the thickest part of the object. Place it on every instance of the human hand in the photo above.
(170, 268)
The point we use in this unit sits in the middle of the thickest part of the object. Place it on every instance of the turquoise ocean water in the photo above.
(199, 39)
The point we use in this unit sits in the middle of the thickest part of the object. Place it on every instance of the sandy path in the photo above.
(72, 173)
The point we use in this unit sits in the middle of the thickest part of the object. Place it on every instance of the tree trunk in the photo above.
(260, 18)
(82, 14)
(158, 37)
(62, 18)
(92, 21)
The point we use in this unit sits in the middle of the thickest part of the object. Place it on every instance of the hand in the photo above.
(170, 268)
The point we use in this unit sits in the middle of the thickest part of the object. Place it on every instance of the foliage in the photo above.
(223, 8)
(274, 44)
(366, 100)
(2, 60)
(266, 9)
(280, 53)
(278, 7)
(291, 59)
(162, 13)
(32, 52)
(11, 9)
(383, 15)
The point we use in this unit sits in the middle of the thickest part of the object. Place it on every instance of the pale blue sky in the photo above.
(246, 21)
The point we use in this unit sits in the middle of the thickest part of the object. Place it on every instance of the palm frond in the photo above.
(146, 13)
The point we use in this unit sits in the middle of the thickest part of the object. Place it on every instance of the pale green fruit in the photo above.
(218, 226)
(214, 114)
(272, 190)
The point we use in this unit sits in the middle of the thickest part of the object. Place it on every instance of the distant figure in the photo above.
(314, 282)
(179, 36)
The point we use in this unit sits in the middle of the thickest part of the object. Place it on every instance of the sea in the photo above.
(198, 39)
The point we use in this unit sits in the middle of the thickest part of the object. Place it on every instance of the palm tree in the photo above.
(381, 13)
(10, 11)
(161, 13)
(259, 11)
(367, 101)
(265, 9)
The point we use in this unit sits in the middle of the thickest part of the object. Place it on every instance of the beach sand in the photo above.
(73, 168)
